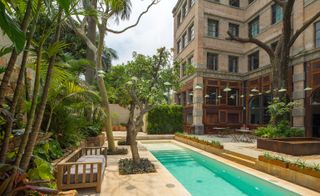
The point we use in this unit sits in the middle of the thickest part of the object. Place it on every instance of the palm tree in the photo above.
(109, 54)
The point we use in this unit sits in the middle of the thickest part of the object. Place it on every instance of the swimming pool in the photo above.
(202, 175)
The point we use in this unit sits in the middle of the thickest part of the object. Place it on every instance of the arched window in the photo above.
(258, 107)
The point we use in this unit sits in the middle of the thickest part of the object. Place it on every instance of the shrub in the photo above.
(165, 119)
(281, 130)
(48, 150)
(41, 170)
(122, 143)
(126, 166)
(118, 151)
(92, 130)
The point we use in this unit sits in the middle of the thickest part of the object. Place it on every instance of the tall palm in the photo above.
(108, 56)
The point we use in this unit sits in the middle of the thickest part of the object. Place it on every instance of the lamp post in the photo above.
(168, 85)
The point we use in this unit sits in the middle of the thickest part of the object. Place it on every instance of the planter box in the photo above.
(200, 145)
(291, 146)
(96, 141)
(306, 171)
(273, 162)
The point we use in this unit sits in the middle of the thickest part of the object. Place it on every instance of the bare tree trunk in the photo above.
(102, 87)
(134, 132)
(14, 54)
(38, 120)
(130, 123)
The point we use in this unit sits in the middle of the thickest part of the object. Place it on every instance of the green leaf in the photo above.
(10, 28)
(65, 5)
(5, 50)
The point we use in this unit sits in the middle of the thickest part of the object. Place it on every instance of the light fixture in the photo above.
(268, 91)
(232, 97)
(227, 89)
(254, 90)
(242, 96)
(308, 88)
(260, 93)
(207, 96)
(198, 87)
(282, 90)
(191, 94)
(219, 97)
(251, 95)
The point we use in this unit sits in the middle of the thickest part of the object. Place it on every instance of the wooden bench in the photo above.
(83, 168)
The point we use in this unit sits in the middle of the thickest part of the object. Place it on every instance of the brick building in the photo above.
(232, 83)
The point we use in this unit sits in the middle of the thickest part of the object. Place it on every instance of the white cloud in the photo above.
(155, 30)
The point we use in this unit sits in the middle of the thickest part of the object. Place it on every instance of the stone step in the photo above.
(238, 159)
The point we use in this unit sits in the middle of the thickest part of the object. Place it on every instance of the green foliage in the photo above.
(165, 119)
(92, 130)
(41, 170)
(279, 110)
(11, 28)
(122, 143)
(48, 150)
(212, 143)
(127, 166)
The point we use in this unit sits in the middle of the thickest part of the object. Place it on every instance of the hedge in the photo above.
(165, 119)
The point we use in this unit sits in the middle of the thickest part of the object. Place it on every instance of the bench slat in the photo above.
(84, 174)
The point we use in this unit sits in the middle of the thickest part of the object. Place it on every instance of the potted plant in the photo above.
(94, 135)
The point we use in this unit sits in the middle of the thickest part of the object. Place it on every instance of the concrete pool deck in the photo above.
(151, 184)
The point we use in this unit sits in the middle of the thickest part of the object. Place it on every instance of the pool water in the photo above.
(202, 175)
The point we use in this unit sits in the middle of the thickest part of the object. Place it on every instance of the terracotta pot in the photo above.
(273, 162)
(306, 171)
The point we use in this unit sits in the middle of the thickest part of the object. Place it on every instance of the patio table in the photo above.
(222, 131)
(245, 135)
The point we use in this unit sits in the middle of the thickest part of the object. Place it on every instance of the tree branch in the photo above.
(154, 2)
(303, 28)
(252, 40)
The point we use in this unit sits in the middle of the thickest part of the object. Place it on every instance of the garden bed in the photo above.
(127, 167)
(291, 146)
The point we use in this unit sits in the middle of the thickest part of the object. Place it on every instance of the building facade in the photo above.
(231, 86)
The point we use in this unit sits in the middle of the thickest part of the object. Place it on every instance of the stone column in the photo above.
(298, 96)
(197, 106)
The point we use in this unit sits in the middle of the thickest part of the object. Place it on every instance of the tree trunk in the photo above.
(14, 54)
(130, 123)
(38, 120)
(102, 87)
(18, 89)
(137, 125)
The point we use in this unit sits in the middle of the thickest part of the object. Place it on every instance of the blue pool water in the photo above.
(201, 175)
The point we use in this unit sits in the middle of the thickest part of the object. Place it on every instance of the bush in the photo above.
(118, 151)
(92, 130)
(48, 150)
(165, 119)
(126, 167)
(281, 130)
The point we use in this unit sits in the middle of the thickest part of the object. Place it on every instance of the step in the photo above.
(240, 160)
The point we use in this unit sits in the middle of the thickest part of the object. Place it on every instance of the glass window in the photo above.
(179, 46)
(277, 13)
(233, 97)
(250, 1)
(190, 60)
(185, 9)
(213, 28)
(190, 97)
(183, 69)
(184, 40)
(254, 28)
(259, 109)
(234, 3)
(191, 32)
(233, 64)
(212, 95)
(189, 118)
(212, 61)
(317, 34)
(234, 29)
(179, 18)
(253, 61)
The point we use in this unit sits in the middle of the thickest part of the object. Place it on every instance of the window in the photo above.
(277, 13)
(179, 18)
(190, 60)
(234, 3)
(184, 40)
(191, 2)
(259, 109)
(191, 32)
(183, 69)
(233, 97)
(233, 64)
(317, 27)
(190, 97)
(253, 61)
(179, 48)
(234, 29)
(250, 1)
(211, 95)
(189, 118)
(213, 28)
(212, 61)
(254, 28)
(184, 9)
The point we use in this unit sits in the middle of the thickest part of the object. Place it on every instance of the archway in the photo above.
(315, 107)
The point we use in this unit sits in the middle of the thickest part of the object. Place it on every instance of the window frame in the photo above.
(235, 6)
(250, 67)
(317, 39)
(216, 29)
(231, 25)
(191, 32)
(274, 18)
(236, 69)
(215, 62)
(251, 23)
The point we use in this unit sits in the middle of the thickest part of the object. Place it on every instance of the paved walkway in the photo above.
(153, 184)
(250, 149)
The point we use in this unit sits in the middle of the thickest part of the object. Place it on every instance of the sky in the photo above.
(155, 30)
